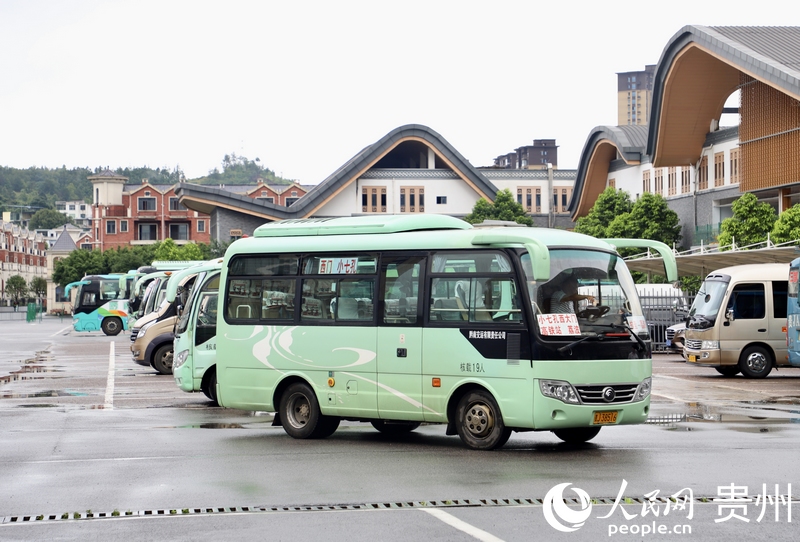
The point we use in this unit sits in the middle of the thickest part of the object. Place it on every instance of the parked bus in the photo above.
(152, 345)
(195, 347)
(399, 320)
(793, 314)
(99, 304)
(737, 322)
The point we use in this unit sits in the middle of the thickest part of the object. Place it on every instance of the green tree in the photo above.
(16, 288)
(503, 208)
(77, 265)
(38, 287)
(610, 204)
(649, 218)
(48, 219)
(787, 227)
(750, 223)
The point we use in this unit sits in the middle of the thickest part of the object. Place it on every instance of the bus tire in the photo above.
(209, 384)
(576, 435)
(111, 326)
(300, 414)
(728, 370)
(755, 362)
(393, 429)
(479, 422)
(162, 359)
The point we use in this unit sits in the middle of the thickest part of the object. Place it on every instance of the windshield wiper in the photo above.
(573, 343)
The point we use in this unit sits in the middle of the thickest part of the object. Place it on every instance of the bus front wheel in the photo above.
(755, 362)
(111, 326)
(162, 359)
(300, 414)
(577, 435)
(209, 384)
(479, 422)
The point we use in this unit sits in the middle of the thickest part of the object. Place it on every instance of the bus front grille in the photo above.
(593, 395)
(694, 344)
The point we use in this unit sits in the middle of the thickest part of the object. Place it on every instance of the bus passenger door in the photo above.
(400, 339)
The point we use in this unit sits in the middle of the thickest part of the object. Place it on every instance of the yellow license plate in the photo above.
(692, 357)
(605, 417)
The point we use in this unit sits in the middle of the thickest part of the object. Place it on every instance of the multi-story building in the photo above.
(22, 252)
(634, 96)
(124, 215)
(536, 156)
(79, 211)
(410, 170)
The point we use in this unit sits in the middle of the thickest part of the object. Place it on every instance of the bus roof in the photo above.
(753, 271)
(165, 265)
(361, 224)
(177, 278)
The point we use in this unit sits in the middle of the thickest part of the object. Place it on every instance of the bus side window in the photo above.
(401, 289)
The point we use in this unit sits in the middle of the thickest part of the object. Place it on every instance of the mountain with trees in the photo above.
(40, 188)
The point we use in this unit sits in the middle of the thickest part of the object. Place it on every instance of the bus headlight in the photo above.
(180, 359)
(144, 328)
(709, 345)
(558, 389)
(644, 389)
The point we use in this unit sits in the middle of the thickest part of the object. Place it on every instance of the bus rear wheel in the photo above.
(300, 414)
(111, 326)
(576, 435)
(162, 359)
(209, 384)
(479, 422)
(755, 362)
(397, 428)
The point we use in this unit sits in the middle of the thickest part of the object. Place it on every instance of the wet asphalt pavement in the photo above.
(85, 429)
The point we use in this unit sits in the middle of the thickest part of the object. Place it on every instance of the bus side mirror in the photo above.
(729, 315)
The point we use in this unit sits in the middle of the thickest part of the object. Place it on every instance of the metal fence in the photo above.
(663, 311)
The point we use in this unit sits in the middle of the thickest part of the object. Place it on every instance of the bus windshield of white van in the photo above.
(705, 308)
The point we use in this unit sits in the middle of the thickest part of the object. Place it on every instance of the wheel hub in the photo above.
(756, 362)
(479, 420)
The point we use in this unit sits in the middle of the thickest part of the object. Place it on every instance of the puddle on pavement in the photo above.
(763, 416)
(46, 393)
(30, 372)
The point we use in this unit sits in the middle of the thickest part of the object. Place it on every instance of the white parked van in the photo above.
(737, 322)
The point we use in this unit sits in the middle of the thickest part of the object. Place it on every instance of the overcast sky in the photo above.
(304, 86)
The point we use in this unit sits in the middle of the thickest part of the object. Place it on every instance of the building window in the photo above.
(111, 226)
(201, 226)
(719, 169)
(538, 200)
(86, 246)
(179, 232)
(441, 200)
(612, 183)
(147, 204)
(123, 226)
(525, 197)
(646, 182)
(148, 232)
(268, 199)
(412, 199)
(289, 201)
(672, 181)
(702, 174)
(735, 166)
(373, 199)
(83, 207)
(685, 180)
(294, 193)
(175, 205)
(659, 181)
(263, 193)
(72, 207)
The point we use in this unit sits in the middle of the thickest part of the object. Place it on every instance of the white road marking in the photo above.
(461, 525)
(59, 332)
(109, 403)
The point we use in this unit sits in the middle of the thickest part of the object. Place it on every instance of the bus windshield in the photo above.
(705, 308)
(97, 291)
(595, 286)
